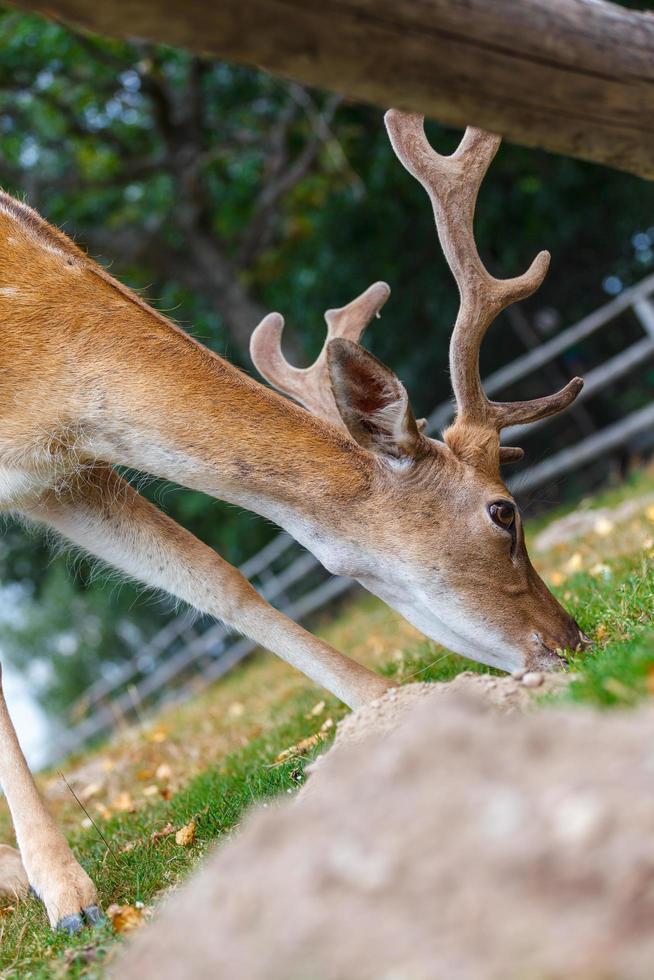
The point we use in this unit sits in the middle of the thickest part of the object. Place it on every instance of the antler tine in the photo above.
(453, 183)
(311, 386)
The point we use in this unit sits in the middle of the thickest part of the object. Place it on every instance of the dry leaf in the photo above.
(601, 631)
(316, 710)
(164, 832)
(573, 563)
(326, 725)
(90, 791)
(236, 709)
(186, 835)
(124, 803)
(302, 746)
(124, 918)
(151, 790)
(649, 681)
(557, 578)
(617, 688)
(164, 772)
(649, 513)
(157, 735)
(603, 526)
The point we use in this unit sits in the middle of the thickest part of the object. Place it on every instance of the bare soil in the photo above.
(440, 838)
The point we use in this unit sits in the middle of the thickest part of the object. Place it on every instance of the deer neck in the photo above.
(181, 413)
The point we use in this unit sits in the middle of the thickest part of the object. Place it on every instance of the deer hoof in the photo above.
(70, 924)
(93, 915)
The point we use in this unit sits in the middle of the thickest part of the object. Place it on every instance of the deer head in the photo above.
(440, 537)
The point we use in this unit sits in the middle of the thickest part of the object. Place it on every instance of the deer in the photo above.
(93, 378)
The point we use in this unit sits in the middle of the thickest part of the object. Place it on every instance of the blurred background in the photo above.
(221, 193)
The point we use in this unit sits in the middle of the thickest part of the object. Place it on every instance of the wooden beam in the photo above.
(571, 76)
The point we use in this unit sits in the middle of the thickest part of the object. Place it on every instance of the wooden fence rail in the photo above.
(185, 656)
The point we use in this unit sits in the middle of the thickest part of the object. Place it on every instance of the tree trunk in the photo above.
(572, 76)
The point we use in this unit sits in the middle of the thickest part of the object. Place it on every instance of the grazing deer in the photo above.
(92, 377)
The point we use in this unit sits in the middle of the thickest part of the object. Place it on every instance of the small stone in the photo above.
(533, 678)
(517, 675)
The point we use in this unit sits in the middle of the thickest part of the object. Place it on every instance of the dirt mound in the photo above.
(383, 716)
(470, 845)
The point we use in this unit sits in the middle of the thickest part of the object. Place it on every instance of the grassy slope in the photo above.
(211, 759)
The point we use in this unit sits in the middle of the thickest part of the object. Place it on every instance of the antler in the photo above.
(453, 184)
(311, 386)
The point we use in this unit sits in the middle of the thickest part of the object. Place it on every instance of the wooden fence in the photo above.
(189, 653)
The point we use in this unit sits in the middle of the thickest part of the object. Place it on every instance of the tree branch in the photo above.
(283, 178)
(572, 76)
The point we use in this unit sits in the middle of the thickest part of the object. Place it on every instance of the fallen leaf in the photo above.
(157, 735)
(236, 709)
(164, 832)
(573, 563)
(90, 791)
(163, 773)
(123, 803)
(557, 578)
(617, 688)
(649, 513)
(186, 835)
(300, 748)
(649, 681)
(603, 526)
(316, 710)
(124, 918)
(151, 790)
(601, 631)
(326, 725)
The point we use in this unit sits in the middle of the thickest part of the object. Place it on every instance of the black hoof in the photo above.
(93, 915)
(70, 924)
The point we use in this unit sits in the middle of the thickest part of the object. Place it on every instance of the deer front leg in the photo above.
(100, 512)
(49, 865)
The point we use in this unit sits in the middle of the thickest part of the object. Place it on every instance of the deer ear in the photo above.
(372, 402)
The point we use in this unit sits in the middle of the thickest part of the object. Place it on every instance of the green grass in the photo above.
(614, 606)
(620, 607)
(216, 800)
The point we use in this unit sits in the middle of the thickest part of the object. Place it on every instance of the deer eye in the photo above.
(502, 513)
